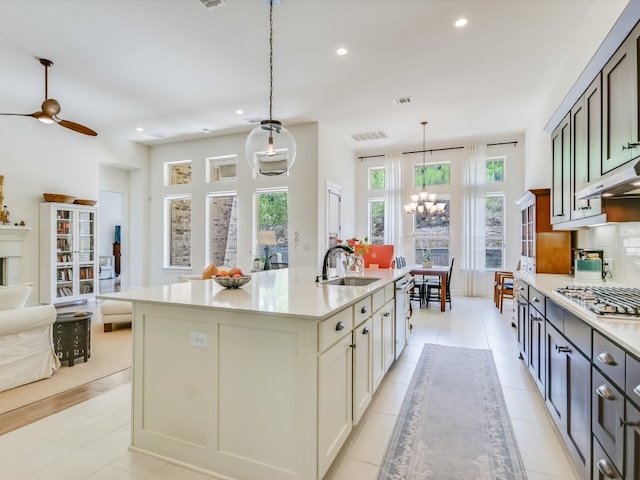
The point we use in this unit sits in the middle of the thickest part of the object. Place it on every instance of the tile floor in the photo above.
(89, 441)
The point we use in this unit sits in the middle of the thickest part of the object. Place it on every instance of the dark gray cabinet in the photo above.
(608, 411)
(620, 104)
(586, 149)
(561, 172)
(522, 319)
(536, 341)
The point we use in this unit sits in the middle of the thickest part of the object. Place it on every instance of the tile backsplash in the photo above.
(621, 245)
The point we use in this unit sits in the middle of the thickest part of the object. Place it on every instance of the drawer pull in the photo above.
(606, 469)
(521, 289)
(628, 423)
(563, 349)
(606, 358)
(637, 390)
(535, 300)
(364, 310)
(353, 345)
(604, 392)
(365, 331)
(386, 314)
(339, 326)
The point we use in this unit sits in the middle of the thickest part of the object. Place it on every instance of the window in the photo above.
(495, 169)
(223, 229)
(222, 168)
(377, 178)
(376, 221)
(273, 214)
(431, 235)
(178, 222)
(432, 174)
(178, 173)
(494, 236)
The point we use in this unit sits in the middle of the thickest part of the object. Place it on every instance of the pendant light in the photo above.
(422, 203)
(270, 149)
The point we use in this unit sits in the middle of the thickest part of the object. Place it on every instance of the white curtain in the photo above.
(393, 209)
(473, 259)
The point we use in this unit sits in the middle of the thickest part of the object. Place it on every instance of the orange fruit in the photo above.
(223, 273)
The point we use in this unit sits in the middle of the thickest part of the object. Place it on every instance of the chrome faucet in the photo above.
(325, 263)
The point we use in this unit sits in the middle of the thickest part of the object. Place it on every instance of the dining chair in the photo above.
(433, 291)
(505, 289)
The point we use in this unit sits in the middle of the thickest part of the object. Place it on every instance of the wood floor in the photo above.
(30, 413)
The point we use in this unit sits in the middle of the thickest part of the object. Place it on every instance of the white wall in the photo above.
(109, 215)
(302, 184)
(37, 158)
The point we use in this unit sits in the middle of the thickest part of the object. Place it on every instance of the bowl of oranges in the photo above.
(231, 278)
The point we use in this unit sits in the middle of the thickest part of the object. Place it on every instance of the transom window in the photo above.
(494, 169)
(177, 173)
(432, 174)
(377, 178)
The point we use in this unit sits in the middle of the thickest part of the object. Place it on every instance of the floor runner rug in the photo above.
(453, 423)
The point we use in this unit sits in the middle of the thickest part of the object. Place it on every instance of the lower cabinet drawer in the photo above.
(609, 358)
(632, 381)
(607, 409)
(578, 332)
(603, 467)
(334, 328)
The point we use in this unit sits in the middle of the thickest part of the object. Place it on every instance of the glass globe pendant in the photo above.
(270, 149)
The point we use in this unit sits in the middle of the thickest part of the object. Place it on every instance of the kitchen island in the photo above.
(260, 382)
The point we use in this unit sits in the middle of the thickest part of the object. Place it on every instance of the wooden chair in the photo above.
(503, 288)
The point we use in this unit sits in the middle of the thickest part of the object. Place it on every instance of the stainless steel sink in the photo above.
(352, 281)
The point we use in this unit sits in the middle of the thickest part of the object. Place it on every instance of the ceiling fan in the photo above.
(50, 108)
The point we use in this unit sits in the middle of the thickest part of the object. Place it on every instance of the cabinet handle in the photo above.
(563, 349)
(604, 392)
(606, 469)
(535, 300)
(535, 319)
(364, 310)
(521, 289)
(353, 345)
(606, 358)
(365, 331)
(386, 314)
(630, 145)
(339, 326)
(628, 423)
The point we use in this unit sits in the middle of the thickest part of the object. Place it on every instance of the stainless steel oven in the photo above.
(403, 289)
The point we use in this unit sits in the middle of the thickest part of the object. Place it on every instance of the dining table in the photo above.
(441, 271)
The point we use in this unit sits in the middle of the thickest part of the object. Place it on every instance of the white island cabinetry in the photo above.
(265, 381)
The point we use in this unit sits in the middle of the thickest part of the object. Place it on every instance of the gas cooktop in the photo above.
(611, 302)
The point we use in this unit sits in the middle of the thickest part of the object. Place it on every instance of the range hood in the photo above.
(621, 182)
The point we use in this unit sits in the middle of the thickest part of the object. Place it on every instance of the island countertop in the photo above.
(285, 292)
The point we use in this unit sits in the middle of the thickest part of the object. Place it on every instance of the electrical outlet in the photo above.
(199, 339)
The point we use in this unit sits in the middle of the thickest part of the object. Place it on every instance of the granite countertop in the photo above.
(285, 292)
(624, 332)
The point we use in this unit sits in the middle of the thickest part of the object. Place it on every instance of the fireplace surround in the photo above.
(11, 251)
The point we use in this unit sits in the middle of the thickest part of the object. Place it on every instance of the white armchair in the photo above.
(26, 338)
(107, 267)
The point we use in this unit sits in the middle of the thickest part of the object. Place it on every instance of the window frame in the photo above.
(370, 203)
(370, 171)
(419, 166)
(168, 166)
(504, 168)
(487, 237)
(209, 240)
(168, 231)
(256, 220)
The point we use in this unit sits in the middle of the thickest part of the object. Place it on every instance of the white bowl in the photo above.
(231, 282)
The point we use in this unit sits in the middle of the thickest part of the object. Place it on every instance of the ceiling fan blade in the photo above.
(20, 114)
(76, 127)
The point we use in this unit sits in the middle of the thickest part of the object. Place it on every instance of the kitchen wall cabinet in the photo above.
(586, 150)
(620, 104)
(543, 250)
(561, 171)
(68, 261)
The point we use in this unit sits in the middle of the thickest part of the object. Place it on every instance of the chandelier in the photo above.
(424, 203)
(270, 149)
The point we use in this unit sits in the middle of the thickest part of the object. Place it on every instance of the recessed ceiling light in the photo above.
(461, 22)
(140, 129)
(239, 112)
(341, 51)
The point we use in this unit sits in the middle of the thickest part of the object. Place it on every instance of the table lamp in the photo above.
(267, 238)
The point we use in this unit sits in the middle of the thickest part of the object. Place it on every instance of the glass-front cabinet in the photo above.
(67, 253)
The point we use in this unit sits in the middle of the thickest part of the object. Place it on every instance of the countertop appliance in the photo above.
(404, 285)
(620, 303)
(588, 265)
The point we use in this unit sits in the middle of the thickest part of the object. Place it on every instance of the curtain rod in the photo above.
(514, 143)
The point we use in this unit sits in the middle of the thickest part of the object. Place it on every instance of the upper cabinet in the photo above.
(561, 185)
(620, 105)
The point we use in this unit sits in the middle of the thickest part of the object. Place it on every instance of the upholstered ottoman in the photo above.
(115, 311)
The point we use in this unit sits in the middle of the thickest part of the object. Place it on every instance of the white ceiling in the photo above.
(174, 67)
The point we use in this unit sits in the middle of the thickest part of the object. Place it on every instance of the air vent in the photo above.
(213, 3)
(401, 100)
(362, 137)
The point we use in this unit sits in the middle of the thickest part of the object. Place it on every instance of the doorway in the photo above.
(110, 223)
